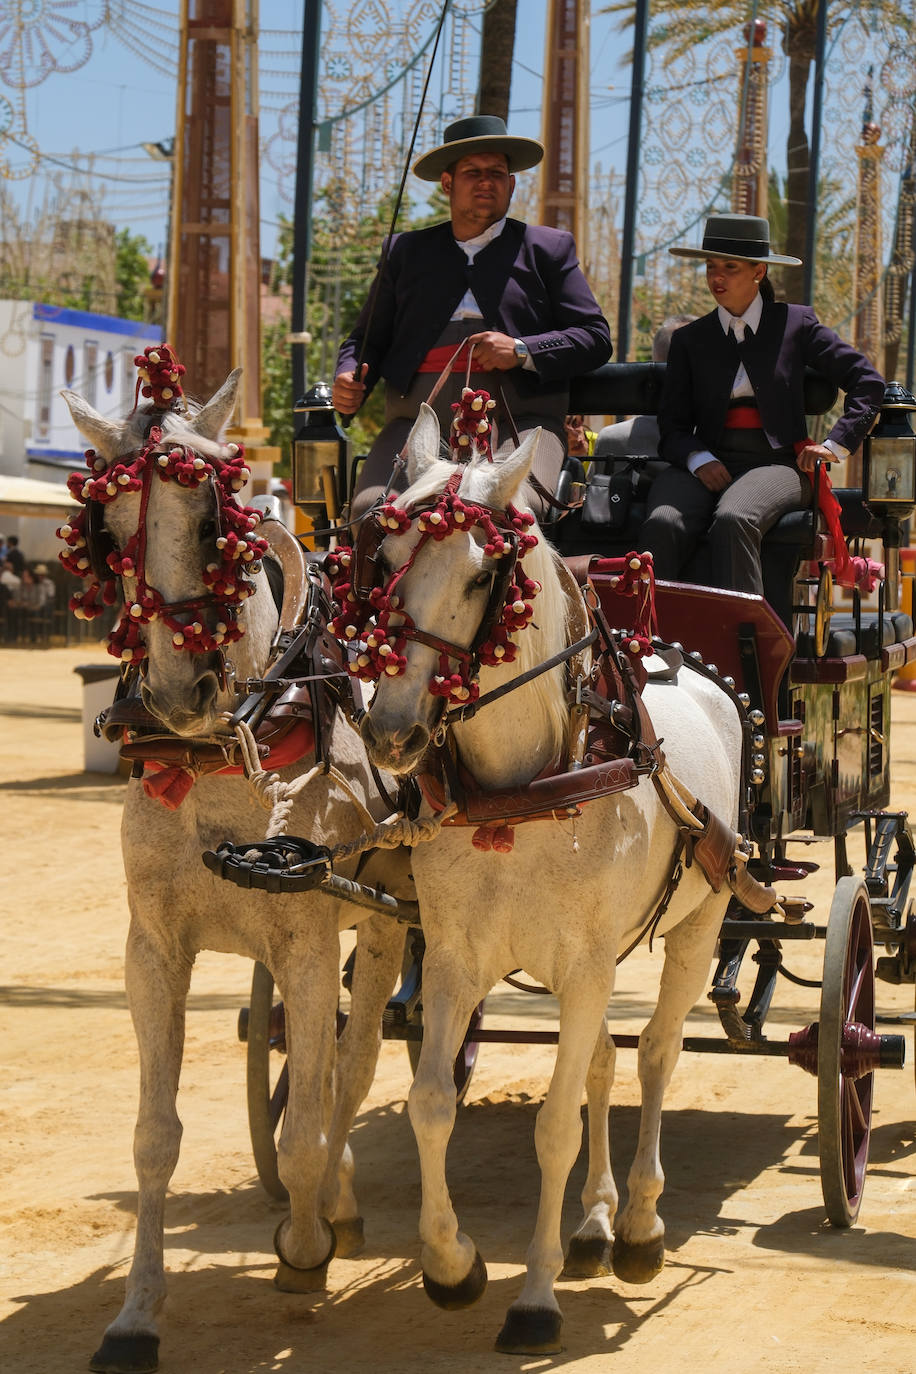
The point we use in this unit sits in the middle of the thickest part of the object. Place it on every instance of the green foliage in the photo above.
(344, 251)
(132, 275)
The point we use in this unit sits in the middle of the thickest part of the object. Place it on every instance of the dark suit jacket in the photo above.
(701, 371)
(527, 282)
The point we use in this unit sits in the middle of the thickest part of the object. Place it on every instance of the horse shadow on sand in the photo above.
(223, 1313)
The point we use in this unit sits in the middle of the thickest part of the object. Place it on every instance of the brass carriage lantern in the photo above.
(319, 453)
(889, 477)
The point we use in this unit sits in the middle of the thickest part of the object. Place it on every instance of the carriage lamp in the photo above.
(319, 452)
(889, 477)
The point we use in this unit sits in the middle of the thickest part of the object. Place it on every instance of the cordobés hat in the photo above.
(745, 237)
(478, 134)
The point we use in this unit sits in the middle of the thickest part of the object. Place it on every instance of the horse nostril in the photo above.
(205, 692)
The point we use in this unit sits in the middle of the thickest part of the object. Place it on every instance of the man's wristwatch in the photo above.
(521, 351)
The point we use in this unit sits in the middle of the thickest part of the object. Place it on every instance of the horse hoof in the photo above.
(290, 1279)
(530, 1331)
(350, 1237)
(463, 1294)
(588, 1257)
(638, 1263)
(126, 1355)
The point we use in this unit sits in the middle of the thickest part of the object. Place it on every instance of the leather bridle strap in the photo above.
(469, 709)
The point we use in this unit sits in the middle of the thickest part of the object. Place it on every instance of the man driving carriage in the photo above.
(514, 291)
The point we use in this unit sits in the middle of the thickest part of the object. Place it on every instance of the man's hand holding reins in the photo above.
(347, 393)
(494, 352)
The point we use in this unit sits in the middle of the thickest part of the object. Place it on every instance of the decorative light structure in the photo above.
(749, 183)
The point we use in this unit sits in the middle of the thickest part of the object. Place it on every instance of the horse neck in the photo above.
(513, 739)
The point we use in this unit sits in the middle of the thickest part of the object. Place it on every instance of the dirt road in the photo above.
(755, 1279)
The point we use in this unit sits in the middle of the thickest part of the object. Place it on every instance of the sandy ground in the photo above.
(755, 1278)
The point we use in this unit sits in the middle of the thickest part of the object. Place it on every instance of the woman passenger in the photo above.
(732, 416)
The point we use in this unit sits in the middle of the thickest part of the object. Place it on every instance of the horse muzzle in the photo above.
(396, 751)
(185, 709)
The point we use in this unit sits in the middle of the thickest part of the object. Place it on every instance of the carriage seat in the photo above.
(873, 634)
(618, 485)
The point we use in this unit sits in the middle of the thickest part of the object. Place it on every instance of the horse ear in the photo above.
(509, 470)
(104, 435)
(212, 418)
(422, 443)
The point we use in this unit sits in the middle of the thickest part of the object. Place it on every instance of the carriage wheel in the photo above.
(268, 1080)
(823, 610)
(843, 1100)
(466, 1058)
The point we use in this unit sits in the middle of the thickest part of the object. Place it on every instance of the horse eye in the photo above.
(207, 530)
(482, 579)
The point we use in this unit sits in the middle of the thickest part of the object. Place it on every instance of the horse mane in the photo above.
(176, 429)
(546, 635)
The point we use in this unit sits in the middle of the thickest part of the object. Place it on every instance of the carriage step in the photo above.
(768, 930)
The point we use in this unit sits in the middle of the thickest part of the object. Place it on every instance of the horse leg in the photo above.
(534, 1321)
(589, 1252)
(639, 1237)
(308, 976)
(454, 1274)
(157, 983)
(379, 947)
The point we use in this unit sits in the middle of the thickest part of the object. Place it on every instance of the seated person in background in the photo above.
(514, 290)
(580, 441)
(732, 416)
(638, 436)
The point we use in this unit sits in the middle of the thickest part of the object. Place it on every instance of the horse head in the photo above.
(184, 551)
(450, 594)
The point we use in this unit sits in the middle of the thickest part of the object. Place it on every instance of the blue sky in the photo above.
(118, 100)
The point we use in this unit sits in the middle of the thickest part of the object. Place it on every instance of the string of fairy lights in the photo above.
(372, 71)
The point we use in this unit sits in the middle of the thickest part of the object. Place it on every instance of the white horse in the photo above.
(178, 908)
(563, 910)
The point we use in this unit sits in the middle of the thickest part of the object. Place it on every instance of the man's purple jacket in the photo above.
(701, 369)
(527, 282)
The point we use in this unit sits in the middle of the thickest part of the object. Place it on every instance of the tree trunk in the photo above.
(797, 156)
(798, 45)
(497, 50)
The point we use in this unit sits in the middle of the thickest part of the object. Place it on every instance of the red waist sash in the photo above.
(437, 359)
(743, 417)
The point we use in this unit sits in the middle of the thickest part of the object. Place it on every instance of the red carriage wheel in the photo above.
(845, 1068)
(268, 1076)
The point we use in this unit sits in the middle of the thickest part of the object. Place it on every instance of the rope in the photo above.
(280, 797)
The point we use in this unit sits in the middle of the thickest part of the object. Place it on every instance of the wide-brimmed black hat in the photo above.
(745, 237)
(478, 134)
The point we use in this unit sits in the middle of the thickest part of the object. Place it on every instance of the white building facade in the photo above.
(43, 350)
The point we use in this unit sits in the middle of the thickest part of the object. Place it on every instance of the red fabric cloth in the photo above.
(848, 571)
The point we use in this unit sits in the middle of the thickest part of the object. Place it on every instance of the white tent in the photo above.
(28, 496)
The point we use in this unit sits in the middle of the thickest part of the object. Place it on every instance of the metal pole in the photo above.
(302, 212)
(640, 33)
(814, 152)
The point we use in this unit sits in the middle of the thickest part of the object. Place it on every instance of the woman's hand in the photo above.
(811, 453)
(715, 476)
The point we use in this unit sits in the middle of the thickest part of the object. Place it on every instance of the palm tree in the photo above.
(497, 49)
(688, 24)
